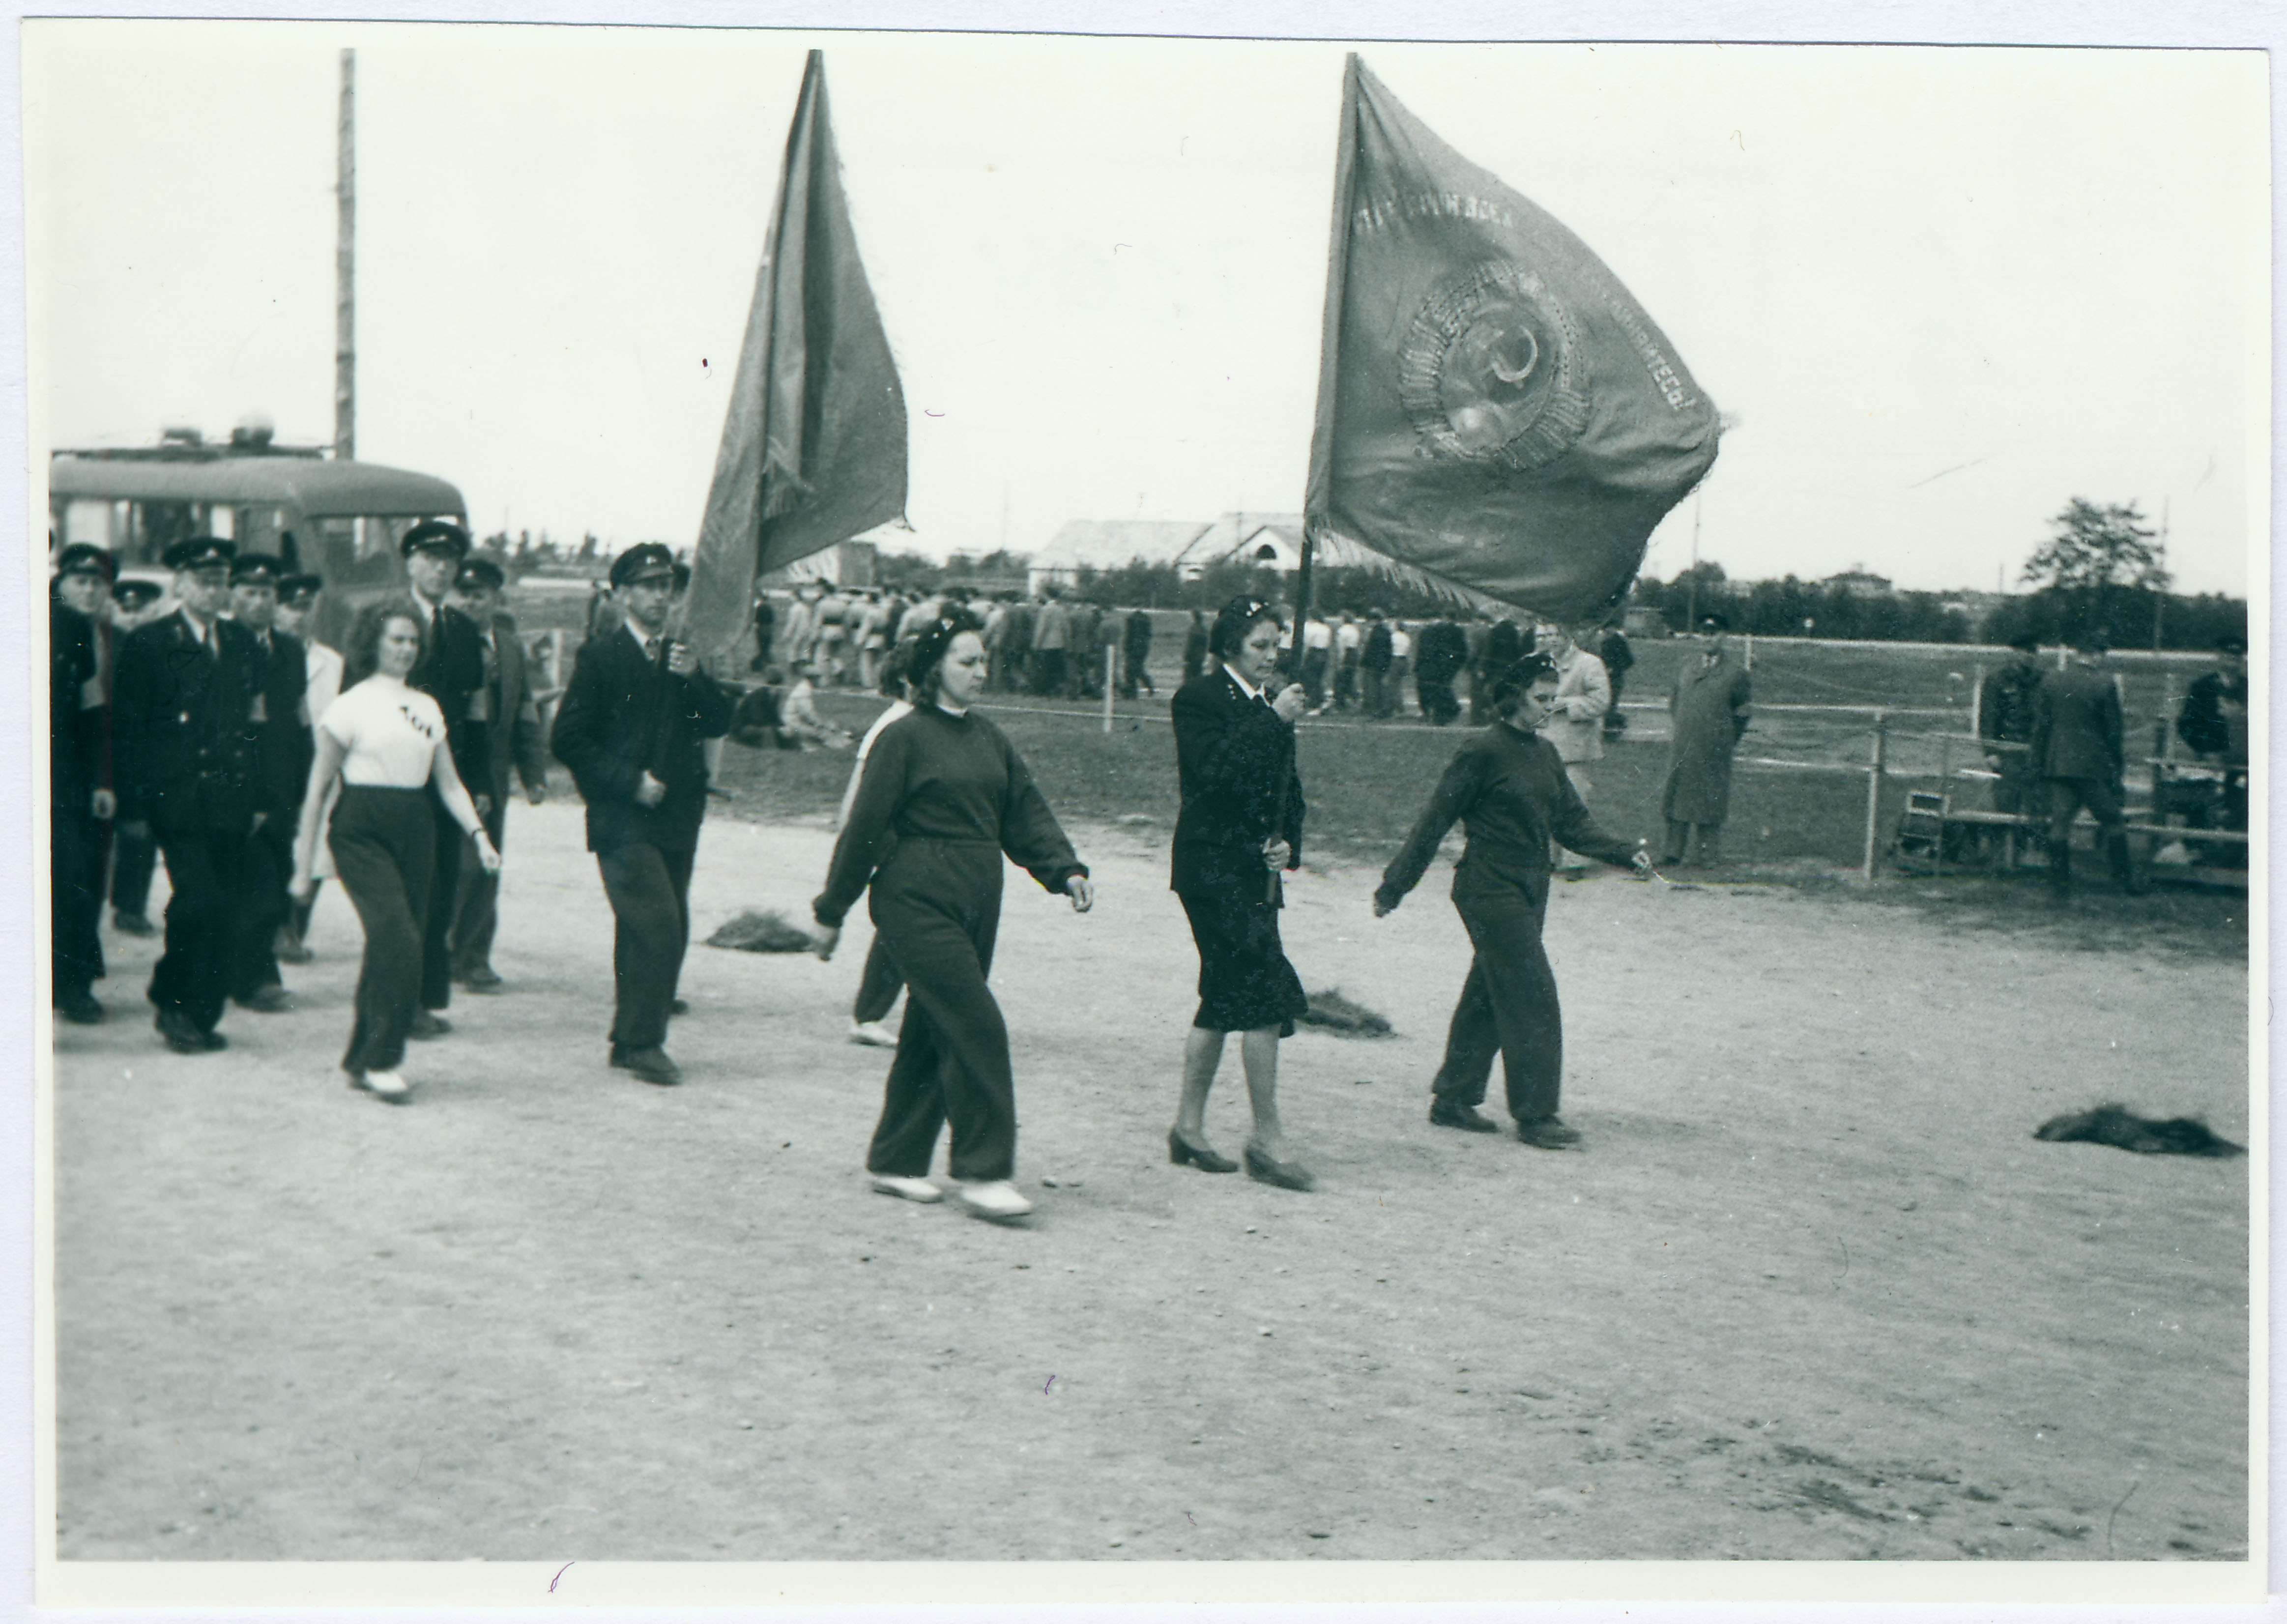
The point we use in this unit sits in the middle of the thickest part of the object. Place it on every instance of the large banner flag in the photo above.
(814, 443)
(1494, 409)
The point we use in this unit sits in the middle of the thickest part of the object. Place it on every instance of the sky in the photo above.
(1937, 292)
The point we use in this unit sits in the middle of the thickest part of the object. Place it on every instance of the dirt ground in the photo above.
(1809, 1289)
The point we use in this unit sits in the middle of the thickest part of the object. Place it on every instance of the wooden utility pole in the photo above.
(1691, 599)
(345, 268)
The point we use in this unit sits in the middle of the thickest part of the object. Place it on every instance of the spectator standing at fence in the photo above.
(801, 632)
(1052, 631)
(2213, 725)
(1401, 667)
(1612, 648)
(516, 750)
(2078, 749)
(1195, 645)
(1349, 637)
(1376, 649)
(1136, 659)
(81, 802)
(1239, 827)
(1708, 712)
(1576, 722)
(1445, 649)
(765, 631)
(1508, 789)
(1317, 662)
(2005, 717)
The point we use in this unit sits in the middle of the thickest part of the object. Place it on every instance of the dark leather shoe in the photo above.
(482, 980)
(1286, 1175)
(1181, 1150)
(179, 1032)
(651, 1064)
(133, 924)
(677, 1007)
(1469, 1119)
(288, 948)
(266, 1000)
(428, 1023)
(80, 1008)
(1547, 1133)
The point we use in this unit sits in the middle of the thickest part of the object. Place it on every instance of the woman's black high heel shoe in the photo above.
(1268, 1171)
(1181, 1150)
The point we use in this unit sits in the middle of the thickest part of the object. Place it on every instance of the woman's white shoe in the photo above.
(994, 1199)
(905, 1189)
(386, 1086)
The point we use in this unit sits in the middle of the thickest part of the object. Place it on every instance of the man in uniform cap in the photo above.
(1707, 713)
(283, 747)
(2078, 751)
(632, 726)
(297, 608)
(2005, 719)
(451, 670)
(134, 602)
(512, 725)
(79, 801)
(2213, 725)
(185, 772)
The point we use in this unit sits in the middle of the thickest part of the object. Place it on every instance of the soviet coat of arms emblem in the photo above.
(1493, 370)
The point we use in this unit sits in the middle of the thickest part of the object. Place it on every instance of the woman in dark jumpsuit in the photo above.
(944, 794)
(1508, 788)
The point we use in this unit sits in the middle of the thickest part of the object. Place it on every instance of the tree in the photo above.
(2102, 567)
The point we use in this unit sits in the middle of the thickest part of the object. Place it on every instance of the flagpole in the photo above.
(1317, 494)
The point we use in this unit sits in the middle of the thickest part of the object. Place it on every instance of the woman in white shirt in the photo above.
(386, 742)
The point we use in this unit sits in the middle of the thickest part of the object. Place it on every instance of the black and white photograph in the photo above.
(924, 817)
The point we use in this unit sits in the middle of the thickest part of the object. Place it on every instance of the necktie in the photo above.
(651, 650)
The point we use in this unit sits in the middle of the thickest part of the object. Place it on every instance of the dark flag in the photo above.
(1494, 409)
(814, 443)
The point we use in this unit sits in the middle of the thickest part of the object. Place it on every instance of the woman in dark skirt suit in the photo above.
(1241, 823)
(1508, 788)
(943, 796)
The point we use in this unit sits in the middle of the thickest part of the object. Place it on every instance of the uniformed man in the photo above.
(2077, 750)
(631, 728)
(283, 747)
(297, 608)
(451, 671)
(185, 772)
(2005, 717)
(2213, 723)
(80, 800)
(134, 602)
(1707, 713)
(504, 702)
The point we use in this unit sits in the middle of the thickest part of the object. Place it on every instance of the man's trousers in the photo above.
(649, 891)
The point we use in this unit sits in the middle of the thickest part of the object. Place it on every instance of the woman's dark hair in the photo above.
(363, 655)
(1518, 677)
(1236, 619)
(928, 651)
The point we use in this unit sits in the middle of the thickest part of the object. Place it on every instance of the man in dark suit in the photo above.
(80, 801)
(632, 728)
(512, 720)
(1445, 651)
(134, 603)
(282, 750)
(184, 710)
(2005, 719)
(451, 671)
(2077, 752)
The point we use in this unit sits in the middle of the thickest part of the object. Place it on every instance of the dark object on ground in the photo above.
(762, 932)
(1331, 1013)
(2117, 1126)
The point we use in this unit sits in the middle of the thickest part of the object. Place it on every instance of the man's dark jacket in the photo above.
(183, 726)
(624, 714)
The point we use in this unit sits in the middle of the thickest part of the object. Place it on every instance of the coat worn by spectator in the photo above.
(1708, 713)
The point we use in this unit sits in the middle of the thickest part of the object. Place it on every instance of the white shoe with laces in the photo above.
(386, 1086)
(872, 1034)
(905, 1189)
(995, 1199)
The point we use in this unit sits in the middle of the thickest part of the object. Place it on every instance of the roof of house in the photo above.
(1107, 544)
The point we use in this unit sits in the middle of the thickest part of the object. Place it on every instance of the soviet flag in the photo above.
(813, 446)
(1494, 408)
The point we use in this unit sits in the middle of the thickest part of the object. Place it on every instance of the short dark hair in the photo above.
(361, 650)
(1236, 619)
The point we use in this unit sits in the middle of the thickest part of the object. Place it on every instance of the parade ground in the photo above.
(1809, 1287)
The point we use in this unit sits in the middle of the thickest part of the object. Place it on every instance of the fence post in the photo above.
(1111, 675)
(1874, 774)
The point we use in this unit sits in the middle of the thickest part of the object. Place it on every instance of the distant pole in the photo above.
(2160, 594)
(1691, 599)
(1111, 676)
(1301, 605)
(1875, 773)
(345, 268)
